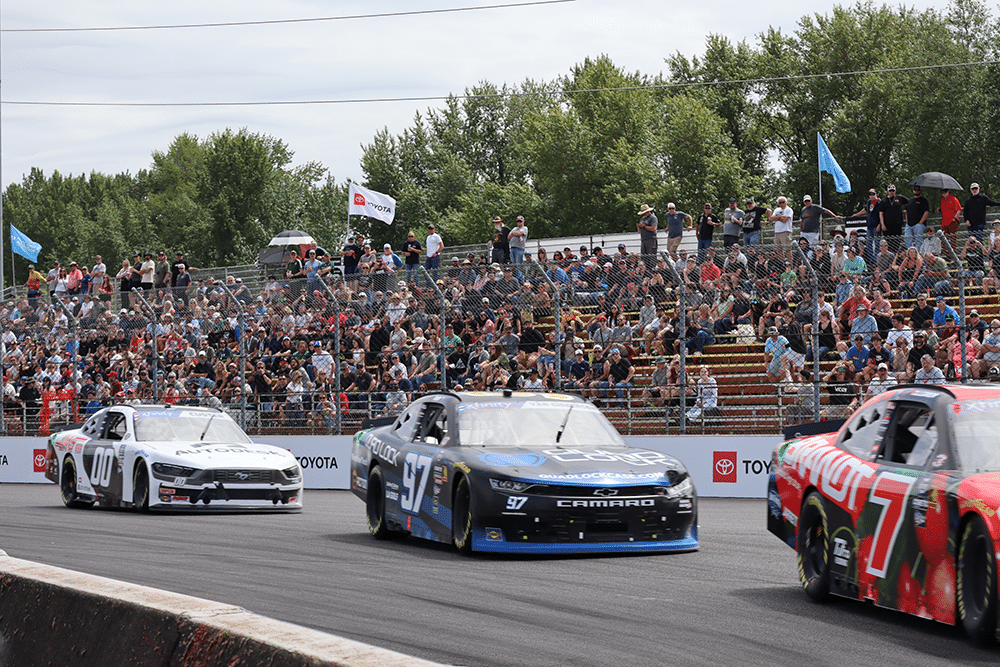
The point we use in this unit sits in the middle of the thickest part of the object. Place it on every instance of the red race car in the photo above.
(899, 507)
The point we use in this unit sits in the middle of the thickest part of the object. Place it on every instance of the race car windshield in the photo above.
(976, 441)
(528, 423)
(181, 427)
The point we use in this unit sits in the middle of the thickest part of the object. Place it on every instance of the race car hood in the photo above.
(613, 466)
(221, 455)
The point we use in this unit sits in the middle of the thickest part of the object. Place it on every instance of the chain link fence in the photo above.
(718, 341)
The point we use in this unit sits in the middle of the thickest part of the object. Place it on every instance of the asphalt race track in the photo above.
(735, 602)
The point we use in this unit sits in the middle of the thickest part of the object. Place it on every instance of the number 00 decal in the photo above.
(890, 491)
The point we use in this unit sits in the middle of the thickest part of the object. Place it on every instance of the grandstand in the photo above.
(115, 337)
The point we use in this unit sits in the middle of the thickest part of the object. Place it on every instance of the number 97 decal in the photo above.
(414, 481)
(516, 502)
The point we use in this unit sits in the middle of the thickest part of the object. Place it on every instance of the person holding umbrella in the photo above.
(950, 208)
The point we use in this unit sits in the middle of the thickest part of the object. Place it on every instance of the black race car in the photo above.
(522, 473)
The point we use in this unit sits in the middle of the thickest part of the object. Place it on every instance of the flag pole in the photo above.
(819, 175)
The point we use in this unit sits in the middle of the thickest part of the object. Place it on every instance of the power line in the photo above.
(231, 24)
(436, 98)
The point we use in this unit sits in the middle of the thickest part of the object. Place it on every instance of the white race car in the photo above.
(170, 458)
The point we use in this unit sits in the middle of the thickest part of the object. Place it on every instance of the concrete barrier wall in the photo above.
(52, 616)
(721, 466)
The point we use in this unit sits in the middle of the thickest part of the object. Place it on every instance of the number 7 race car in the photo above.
(899, 507)
(170, 458)
(520, 472)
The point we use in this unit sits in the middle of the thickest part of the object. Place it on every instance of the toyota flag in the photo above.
(362, 201)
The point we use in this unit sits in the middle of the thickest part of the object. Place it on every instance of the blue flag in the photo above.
(23, 246)
(828, 164)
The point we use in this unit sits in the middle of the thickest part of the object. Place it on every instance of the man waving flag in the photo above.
(828, 164)
(362, 201)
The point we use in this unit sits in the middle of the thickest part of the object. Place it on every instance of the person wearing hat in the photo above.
(870, 211)
(782, 219)
(677, 223)
(435, 246)
(857, 355)
(774, 354)
(34, 286)
(921, 347)
(411, 250)
(657, 392)
(73, 279)
(811, 219)
(499, 243)
(842, 392)
(707, 222)
(753, 218)
(648, 226)
(917, 210)
(517, 239)
(732, 223)
(579, 371)
(891, 212)
(882, 382)
(990, 351)
(854, 265)
(864, 324)
(351, 255)
(974, 210)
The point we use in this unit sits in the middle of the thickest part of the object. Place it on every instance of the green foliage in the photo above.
(579, 154)
(219, 200)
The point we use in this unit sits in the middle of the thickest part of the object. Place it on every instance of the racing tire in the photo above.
(140, 489)
(461, 516)
(67, 486)
(814, 548)
(976, 585)
(375, 507)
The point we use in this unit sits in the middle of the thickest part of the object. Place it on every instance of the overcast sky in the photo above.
(349, 59)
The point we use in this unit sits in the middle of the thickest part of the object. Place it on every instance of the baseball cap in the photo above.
(974, 313)
(859, 337)
(974, 186)
(598, 347)
(772, 330)
(807, 198)
(994, 372)
(883, 367)
(386, 246)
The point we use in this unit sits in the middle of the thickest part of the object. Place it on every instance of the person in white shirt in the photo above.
(898, 330)
(708, 394)
(882, 381)
(434, 247)
(782, 219)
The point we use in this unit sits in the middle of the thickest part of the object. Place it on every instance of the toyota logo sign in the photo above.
(724, 467)
(39, 456)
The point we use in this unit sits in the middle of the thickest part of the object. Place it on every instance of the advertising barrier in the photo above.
(721, 466)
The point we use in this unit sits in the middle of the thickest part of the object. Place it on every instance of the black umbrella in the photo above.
(935, 179)
(291, 237)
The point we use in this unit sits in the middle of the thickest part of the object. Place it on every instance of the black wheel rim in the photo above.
(815, 544)
(69, 482)
(462, 514)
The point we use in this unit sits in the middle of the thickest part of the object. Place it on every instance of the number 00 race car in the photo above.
(899, 507)
(520, 472)
(170, 458)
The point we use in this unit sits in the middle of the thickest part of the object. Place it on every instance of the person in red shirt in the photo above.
(950, 208)
(74, 278)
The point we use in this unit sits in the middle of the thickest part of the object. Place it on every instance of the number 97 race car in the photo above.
(899, 507)
(521, 473)
(170, 458)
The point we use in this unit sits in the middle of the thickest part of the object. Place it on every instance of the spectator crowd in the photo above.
(411, 321)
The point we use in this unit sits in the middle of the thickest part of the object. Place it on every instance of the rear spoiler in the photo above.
(375, 423)
(813, 428)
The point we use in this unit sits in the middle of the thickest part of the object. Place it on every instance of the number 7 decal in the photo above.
(891, 491)
(414, 481)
